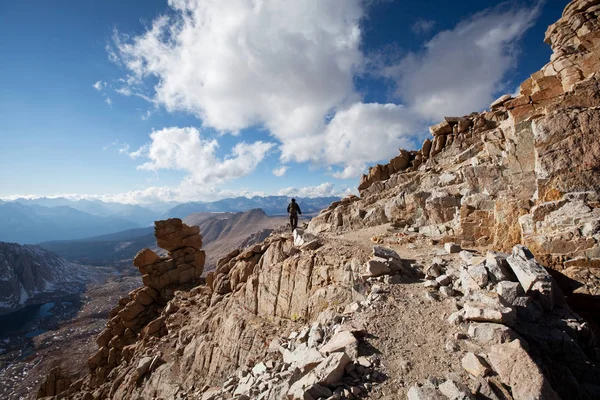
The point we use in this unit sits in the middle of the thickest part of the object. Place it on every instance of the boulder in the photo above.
(443, 128)
(443, 280)
(452, 248)
(509, 291)
(497, 266)
(475, 365)
(489, 313)
(303, 358)
(500, 101)
(455, 391)
(534, 279)
(343, 341)
(328, 372)
(517, 370)
(374, 268)
(479, 274)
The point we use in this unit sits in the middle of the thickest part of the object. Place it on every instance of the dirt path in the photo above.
(407, 328)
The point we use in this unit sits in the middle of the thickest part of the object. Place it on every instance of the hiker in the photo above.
(293, 210)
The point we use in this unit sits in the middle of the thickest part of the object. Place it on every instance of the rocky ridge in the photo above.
(295, 317)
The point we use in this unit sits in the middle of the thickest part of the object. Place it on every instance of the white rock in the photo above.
(431, 284)
(443, 280)
(343, 341)
(446, 291)
(375, 268)
(497, 266)
(259, 369)
(455, 391)
(531, 275)
(452, 248)
(424, 393)
(479, 274)
(487, 313)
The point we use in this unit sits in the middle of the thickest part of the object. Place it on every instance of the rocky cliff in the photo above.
(328, 314)
(32, 275)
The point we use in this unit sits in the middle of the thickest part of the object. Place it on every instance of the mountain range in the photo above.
(28, 224)
(221, 233)
(30, 221)
(271, 205)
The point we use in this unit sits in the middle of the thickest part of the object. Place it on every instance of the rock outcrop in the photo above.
(138, 316)
(526, 171)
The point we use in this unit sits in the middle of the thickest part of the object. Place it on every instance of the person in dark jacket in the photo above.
(293, 210)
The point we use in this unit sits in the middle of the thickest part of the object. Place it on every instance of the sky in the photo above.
(197, 100)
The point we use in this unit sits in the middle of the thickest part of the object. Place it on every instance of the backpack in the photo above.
(293, 208)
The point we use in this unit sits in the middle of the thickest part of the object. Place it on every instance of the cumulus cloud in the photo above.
(359, 134)
(280, 171)
(238, 63)
(289, 67)
(184, 149)
(460, 70)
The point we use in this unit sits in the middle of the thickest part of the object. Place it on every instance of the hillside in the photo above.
(229, 231)
(221, 233)
(32, 275)
(438, 282)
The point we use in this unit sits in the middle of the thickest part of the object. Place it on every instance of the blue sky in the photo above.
(201, 99)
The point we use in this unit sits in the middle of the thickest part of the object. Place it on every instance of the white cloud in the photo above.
(238, 63)
(280, 171)
(99, 85)
(357, 135)
(139, 152)
(123, 149)
(146, 115)
(290, 67)
(462, 69)
(322, 190)
(108, 101)
(184, 149)
(422, 26)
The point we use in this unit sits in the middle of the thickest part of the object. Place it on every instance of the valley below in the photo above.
(40, 336)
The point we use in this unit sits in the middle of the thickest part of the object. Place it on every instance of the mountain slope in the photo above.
(30, 275)
(31, 224)
(221, 233)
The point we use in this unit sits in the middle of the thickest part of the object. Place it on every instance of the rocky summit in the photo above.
(465, 270)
